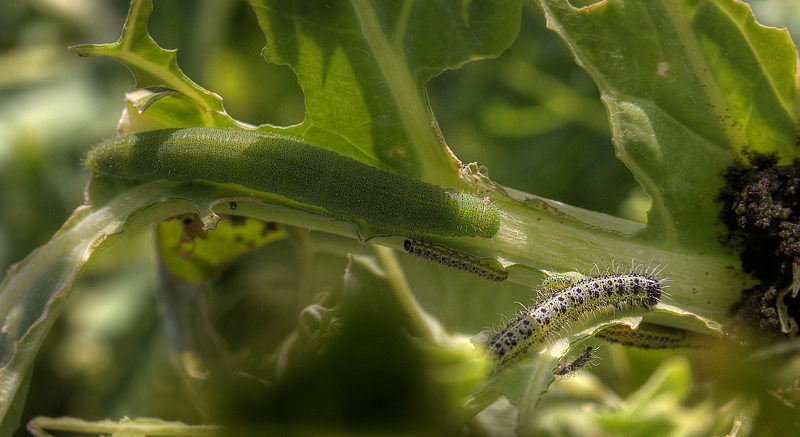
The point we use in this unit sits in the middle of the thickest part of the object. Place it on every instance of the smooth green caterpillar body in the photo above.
(298, 171)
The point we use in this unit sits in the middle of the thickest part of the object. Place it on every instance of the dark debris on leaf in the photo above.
(761, 209)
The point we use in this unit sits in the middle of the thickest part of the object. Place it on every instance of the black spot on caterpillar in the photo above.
(566, 301)
(651, 336)
(458, 260)
(298, 171)
(578, 363)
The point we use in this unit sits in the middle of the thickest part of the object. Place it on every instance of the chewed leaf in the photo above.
(193, 254)
(153, 66)
(689, 86)
(363, 66)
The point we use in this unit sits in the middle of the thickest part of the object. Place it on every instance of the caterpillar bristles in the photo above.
(564, 302)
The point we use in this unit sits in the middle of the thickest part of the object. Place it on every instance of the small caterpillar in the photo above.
(298, 171)
(566, 301)
(651, 336)
(578, 363)
(458, 260)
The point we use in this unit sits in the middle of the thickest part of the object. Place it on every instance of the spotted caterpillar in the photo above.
(578, 363)
(650, 336)
(565, 301)
(458, 260)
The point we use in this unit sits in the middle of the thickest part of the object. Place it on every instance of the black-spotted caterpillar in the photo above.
(578, 363)
(455, 259)
(650, 336)
(565, 301)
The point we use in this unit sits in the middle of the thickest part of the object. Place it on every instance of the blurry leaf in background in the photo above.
(46, 122)
(656, 408)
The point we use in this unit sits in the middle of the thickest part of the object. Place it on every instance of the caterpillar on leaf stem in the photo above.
(299, 171)
(651, 336)
(578, 363)
(455, 259)
(566, 301)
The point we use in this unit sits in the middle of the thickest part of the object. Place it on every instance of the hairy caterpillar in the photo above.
(298, 171)
(565, 301)
(651, 336)
(458, 260)
(578, 363)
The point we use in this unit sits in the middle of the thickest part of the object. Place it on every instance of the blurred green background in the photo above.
(532, 116)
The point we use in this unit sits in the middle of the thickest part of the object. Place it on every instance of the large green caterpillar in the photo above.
(298, 171)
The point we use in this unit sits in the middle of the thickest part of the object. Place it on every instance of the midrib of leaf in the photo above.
(390, 58)
(402, 24)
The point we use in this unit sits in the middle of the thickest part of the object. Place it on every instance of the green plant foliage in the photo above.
(689, 87)
(153, 66)
(371, 62)
(319, 324)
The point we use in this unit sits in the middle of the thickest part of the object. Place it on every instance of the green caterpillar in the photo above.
(298, 171)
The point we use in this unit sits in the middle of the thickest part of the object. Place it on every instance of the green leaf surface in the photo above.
(363, 66)
(689, 86)
(153, 66)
